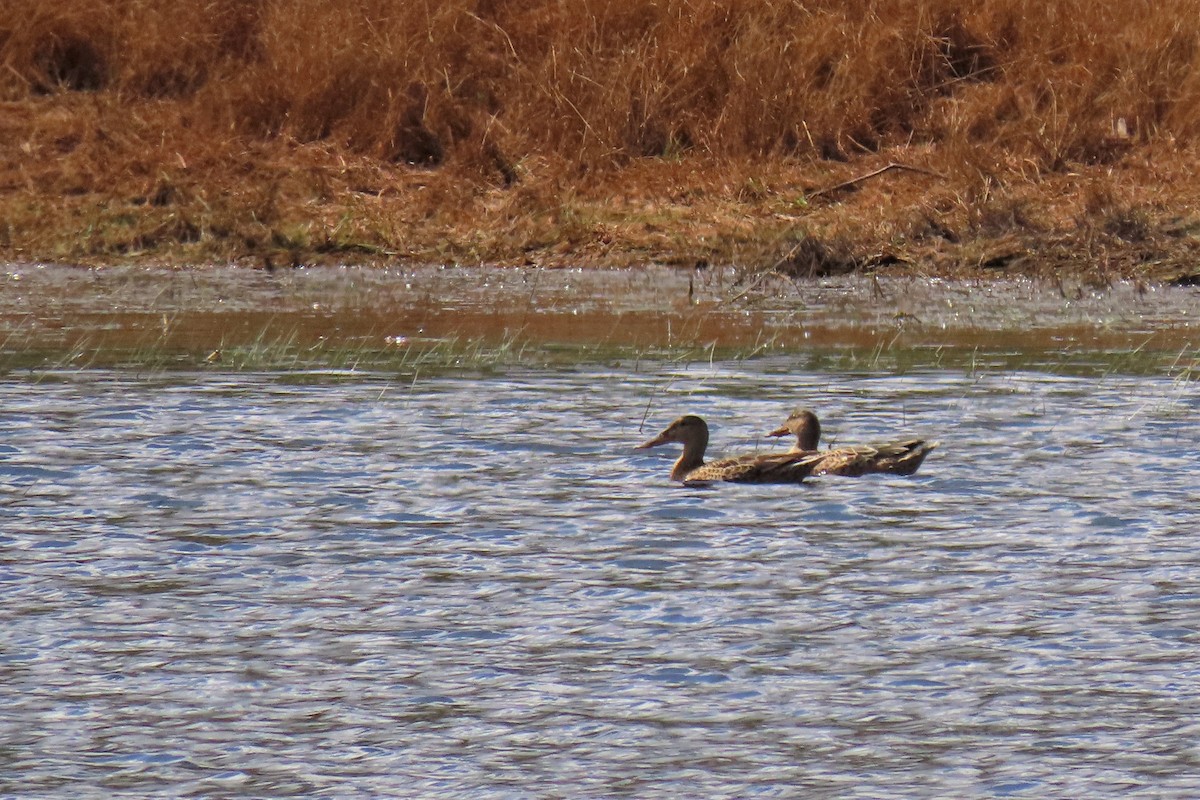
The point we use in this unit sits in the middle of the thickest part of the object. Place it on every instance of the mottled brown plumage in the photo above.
(894, 458)
(692, 432)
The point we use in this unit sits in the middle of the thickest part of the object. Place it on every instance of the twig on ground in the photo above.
(875, 173)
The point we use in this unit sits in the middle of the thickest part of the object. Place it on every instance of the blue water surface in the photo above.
(228, 585)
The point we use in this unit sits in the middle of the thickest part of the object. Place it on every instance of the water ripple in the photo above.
(229, 586)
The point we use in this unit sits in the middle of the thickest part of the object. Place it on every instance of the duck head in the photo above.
(687, 430)
(804, 425)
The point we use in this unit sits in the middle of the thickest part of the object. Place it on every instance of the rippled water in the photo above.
(218, 585)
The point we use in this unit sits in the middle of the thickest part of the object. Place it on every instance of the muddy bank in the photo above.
(281, 204)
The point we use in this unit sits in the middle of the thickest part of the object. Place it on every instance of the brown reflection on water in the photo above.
(200, 331)
(63, 311)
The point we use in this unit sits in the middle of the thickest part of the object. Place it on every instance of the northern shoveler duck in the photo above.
(691, 469)
(895, 458)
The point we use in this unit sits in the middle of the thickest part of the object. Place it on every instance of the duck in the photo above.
(895, 458)
(691, 469)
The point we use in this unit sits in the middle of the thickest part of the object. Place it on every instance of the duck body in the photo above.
(691, 469)
(893, 458)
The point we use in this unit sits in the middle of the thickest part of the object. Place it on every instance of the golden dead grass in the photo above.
(1058, 133)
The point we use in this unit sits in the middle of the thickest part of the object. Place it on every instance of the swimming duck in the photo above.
(895, 458)
(691, 469)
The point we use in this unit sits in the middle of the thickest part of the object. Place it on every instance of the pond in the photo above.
(441, 580)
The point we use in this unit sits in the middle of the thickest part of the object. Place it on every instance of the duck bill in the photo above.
(779, 432)
(655, 442)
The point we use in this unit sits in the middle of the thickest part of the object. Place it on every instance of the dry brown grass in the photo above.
(602, 131)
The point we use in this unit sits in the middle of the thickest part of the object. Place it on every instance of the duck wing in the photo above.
(770, 468)
(894, 458)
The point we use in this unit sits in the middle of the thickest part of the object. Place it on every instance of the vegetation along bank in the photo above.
(1005, 136)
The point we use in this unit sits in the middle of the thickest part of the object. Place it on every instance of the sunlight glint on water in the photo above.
(229, 586)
